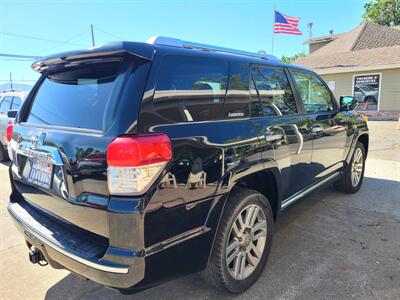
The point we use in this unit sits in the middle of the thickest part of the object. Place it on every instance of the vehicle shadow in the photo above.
(5, 163)
(316, 226)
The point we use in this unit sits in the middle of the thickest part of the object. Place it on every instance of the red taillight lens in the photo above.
(9, 131)
(139, 150)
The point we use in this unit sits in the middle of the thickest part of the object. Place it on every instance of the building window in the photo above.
(366, 91)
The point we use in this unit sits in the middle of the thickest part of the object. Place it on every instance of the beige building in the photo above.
(364, 63)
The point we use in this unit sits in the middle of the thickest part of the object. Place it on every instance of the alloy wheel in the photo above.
(357, 167)
(246, 242)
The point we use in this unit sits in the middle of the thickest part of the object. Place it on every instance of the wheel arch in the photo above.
(364, 139)
(266, 182)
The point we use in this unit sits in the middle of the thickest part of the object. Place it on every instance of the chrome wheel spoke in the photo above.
(239, 265)
(235, 229)
(260, 234)
(232, 256)
(249, 216)
(255, 250)
(261, 225)
(252, 259)
(240, 221)
(234, 244)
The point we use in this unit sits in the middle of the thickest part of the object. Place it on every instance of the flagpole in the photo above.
(273, 29)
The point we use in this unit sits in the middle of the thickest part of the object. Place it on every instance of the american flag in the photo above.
(285, 24)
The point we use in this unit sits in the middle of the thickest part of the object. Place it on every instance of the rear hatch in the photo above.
(82, 102)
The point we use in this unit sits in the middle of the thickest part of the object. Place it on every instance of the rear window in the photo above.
(74, 98)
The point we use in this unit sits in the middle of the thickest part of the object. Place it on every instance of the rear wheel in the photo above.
(242, 242)
(352, 178)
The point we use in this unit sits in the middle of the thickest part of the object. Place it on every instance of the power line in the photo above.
(32, 57)
(65, 42)
(109, 33)
(39, 38)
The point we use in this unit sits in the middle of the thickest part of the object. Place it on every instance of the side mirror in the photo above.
(347, 103)
(12, 113)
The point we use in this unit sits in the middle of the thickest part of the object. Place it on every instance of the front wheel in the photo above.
(242, 243)
(351, 180)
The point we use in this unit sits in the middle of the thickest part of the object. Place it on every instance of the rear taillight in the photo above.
(9, 131)
(134, 162)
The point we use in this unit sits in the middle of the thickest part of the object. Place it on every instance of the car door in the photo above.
(327, 123)
(275, 118)
(5, 105)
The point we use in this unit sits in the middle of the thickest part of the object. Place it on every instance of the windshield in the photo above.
(75, 98)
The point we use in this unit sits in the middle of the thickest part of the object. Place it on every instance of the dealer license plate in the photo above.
(40, 174)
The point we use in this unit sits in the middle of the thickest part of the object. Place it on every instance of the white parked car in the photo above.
(9, 100)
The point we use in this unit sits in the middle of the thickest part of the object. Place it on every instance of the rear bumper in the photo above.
(110, 266)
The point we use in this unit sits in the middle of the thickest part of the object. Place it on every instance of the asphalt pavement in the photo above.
(326, 246)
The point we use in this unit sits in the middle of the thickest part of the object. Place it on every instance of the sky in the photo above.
(46, 27)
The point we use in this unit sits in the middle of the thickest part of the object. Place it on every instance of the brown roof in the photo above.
(324, 38)
(365, 45)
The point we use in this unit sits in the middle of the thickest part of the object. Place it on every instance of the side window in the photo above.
(5, 105)
(191, 89)
(313, 93)
(272, 87)
(237, 98)
(16, 103)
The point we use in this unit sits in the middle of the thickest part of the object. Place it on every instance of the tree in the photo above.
(290, 59)
(383, 12)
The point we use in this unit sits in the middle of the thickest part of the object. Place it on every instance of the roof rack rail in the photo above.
(167, 41)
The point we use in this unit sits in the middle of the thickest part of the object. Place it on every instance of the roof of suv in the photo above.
(147, 50)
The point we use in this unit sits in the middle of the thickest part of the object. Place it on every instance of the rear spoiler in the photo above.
(109, 51)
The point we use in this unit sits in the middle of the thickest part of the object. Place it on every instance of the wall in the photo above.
(389, 92)
(314, 47)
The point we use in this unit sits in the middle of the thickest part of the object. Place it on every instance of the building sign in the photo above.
(366, 91)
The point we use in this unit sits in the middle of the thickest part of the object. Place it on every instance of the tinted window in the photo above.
(313, 93)
(191, 89)
(237, 97)
(16, 103)
(272, 87)
(75, 98)
(5, 104)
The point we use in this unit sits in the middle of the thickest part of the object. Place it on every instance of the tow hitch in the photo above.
(37, 257)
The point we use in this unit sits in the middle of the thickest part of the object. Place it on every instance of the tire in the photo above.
(371, 100)
(346, 184)
(3, 153)
(219, 273)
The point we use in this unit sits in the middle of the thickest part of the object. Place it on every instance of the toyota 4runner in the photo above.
(134, 163)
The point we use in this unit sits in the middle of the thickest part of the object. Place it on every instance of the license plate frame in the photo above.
(40, 174)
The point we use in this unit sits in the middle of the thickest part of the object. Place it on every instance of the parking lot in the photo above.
(326, 246)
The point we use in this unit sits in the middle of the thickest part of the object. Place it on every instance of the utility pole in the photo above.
(91, 29)
(310, 25)
(11, 85)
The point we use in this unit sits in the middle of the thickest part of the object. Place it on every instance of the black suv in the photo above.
(134, 163)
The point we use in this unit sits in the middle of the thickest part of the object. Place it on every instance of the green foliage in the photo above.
(383, 12)
(290, 59)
